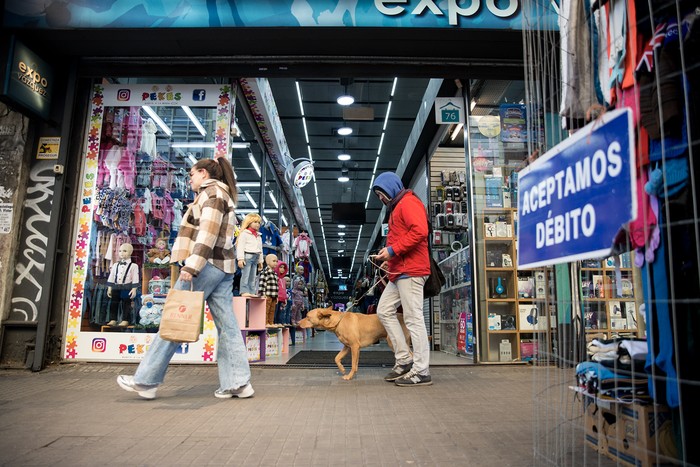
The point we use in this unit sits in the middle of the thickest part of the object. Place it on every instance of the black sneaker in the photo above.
(414, 379)
(398, 372)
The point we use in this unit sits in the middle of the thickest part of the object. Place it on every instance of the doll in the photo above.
(150, 312)
(121, 286)
(249, 253)
(160, 253)
(269, 288)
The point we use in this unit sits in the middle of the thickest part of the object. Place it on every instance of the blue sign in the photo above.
(61, 14)
(573, 200)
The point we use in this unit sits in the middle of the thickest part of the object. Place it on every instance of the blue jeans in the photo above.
(231, 354)
(248, 273)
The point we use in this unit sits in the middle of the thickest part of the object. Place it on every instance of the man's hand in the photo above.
(241, 263)
(383, 255)
(260, 267)
(132, 293)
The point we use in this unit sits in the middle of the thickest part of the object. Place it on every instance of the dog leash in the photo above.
(380, 279)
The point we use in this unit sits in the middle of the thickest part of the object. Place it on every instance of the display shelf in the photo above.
(609, 296)
(515, 307)
(250, 314)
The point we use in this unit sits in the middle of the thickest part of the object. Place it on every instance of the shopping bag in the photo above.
(435, 281)
(183, 312)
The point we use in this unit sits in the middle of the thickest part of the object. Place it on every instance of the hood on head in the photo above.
(278, 269)
(389, 183)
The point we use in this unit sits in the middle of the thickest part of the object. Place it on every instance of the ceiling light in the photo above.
(341, 240)
(456, 131)
(341, 226)
(272, 197)
(342, 234)
(344, 157)
(250, 198)
(158, 120)
(254, 162)
(345, 99)
(344, 131)
(200, 144)
(341, 251)
(240, 145)
(344, 176)
(195, 120)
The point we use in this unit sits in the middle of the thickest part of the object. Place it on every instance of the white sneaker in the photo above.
(242, 393)
(127, 383)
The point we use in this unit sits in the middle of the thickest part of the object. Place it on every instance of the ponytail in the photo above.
(220, 169)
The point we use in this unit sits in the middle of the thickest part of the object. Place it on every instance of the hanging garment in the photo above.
(148, 137)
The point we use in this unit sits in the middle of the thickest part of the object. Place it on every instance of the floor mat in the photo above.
(375, 358)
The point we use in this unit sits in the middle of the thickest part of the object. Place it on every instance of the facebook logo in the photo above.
(183, 348)
(199, 95)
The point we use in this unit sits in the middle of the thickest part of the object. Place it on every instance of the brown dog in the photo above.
(354, 331)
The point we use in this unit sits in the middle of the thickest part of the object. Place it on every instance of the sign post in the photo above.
(573, 200)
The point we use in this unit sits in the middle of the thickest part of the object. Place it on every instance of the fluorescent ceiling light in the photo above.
(393, 86)
(386, 118)
(472, 105)
(195, 120)
(265, 219)
(345, 100)
(306, 132)
(301, 104)
(456, 131)
(344, 131)
(248, 184)
(343, 179)
(341, 241)
(158, 120)
(272, 197)
(341, 226)
(248, 211)
(381, 141)
(191, 158)
(195, 144)
(341, 251)
(342, 234)
(240, 145)
(250, 198)
(344, 157)
(284, 220)
(255, 164)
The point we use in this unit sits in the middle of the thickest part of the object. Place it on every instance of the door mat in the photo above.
(370, 358)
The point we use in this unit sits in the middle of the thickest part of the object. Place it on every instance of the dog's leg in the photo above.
(339, 357)
(355, 355)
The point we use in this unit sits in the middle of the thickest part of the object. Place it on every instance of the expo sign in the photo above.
(454, 10)
(573, 200)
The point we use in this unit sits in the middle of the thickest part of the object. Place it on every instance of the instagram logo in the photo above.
(123, 94)
(99, 344)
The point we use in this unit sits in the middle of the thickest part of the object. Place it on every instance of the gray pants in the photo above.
(407, 292)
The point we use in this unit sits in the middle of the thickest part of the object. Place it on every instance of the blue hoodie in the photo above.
(389, 183)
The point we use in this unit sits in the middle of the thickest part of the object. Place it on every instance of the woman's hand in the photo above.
(260, 266)
(185, 276)
(241, 263)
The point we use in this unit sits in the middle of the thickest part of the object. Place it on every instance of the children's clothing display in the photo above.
(271, 238)
(302, 245)
(123, 277)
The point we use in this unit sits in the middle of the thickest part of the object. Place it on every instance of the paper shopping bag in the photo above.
(182, 316)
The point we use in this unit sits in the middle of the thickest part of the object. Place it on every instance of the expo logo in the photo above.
(453, 8)
(99, 344)
(123, 94)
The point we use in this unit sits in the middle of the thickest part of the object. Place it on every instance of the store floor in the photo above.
(76, 415)
(326, 340)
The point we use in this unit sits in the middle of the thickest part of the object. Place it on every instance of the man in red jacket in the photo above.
(408, 265)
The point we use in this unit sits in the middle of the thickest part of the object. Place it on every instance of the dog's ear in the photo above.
(325, 313)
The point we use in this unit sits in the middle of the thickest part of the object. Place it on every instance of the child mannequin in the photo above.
(121, 286)
(249, 253)
(281, 271)
(269, 288)
(298, 286)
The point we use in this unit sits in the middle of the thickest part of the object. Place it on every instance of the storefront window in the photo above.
(142, 141)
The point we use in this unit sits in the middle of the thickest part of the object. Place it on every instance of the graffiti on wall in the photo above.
(31, 259)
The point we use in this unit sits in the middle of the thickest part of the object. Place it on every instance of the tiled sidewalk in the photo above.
(75, 414)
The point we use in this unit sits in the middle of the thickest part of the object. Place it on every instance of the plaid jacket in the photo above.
(268, 283)
(206, 230)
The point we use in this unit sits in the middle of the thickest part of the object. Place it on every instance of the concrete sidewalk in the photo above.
(75, 414)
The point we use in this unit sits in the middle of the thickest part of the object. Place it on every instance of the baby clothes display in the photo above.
(148, 137)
